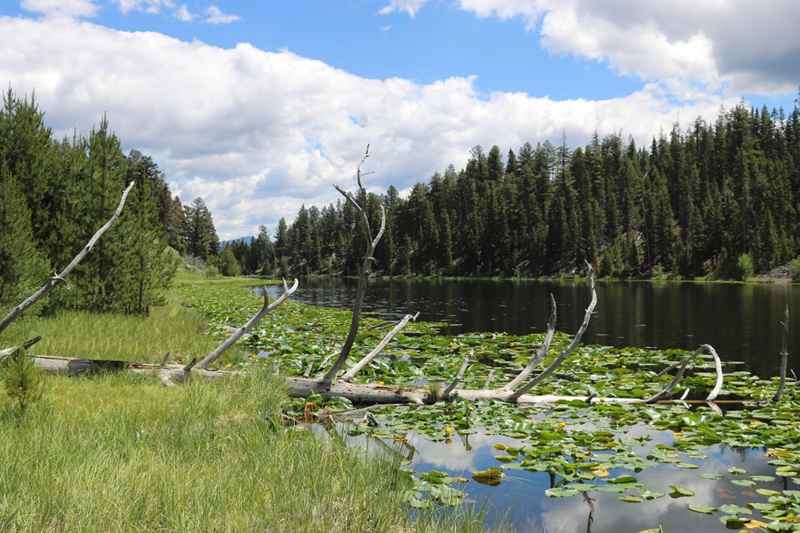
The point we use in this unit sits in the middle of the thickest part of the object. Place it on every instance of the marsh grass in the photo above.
(173, 327)
(118, 453)
(114, 336)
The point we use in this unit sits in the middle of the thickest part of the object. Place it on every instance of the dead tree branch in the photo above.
(569, 349)
(61, 276)
(11, 352)
(707, 348)
(672, 384)
(231, 340)
(541, 353)
(459, 377)
(363, 273)
(350, 374)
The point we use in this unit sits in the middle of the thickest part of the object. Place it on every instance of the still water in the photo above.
(741, 321)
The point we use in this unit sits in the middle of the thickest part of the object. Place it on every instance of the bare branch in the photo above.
(459, 376)
(236, 335)
(363, 272)
(569, 349)
(61, 276)
(377, 238)
(358, 169)
(10, 352)
(784, 356)
(541, 353)
(672, 384)
(489, 379)
(350, 374)
(707, 348)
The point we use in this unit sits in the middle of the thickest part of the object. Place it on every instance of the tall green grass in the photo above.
(118, 453)
(170, 328)
(173, 327)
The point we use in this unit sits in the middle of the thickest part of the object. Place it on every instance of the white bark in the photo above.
(236, 335)
(569, 349)
(350, 374)
(718, 368)
(541, 353)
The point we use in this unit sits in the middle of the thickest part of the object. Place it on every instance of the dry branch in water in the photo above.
(350, 374)
(171, 376)
(363, 273)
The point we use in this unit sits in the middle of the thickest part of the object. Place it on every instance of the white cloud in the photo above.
(183, 14)
(216, 16)
(258, 133)
(146, 6)
(682, 43)
(62, 8)
(402, 6)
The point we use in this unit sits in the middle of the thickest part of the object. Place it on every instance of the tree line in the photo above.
(718, 199)
(54, 194)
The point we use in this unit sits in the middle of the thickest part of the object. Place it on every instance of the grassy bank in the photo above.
(123, 454)
(175, 327)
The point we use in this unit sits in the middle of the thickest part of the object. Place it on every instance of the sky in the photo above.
(260, 107)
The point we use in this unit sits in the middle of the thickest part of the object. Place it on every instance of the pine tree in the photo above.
(22, 266)
(201, 236)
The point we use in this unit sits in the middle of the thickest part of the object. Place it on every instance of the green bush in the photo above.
(211, 271)
(744, 267)
(23, 382)
(794, 270)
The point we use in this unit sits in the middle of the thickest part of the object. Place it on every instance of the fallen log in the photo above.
(358, 393)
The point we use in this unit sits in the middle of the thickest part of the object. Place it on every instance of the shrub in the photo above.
(211, 271)
(744, 267)
(23, 382)
(794, 270)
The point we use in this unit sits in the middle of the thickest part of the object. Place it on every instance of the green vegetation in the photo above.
(23, 382)
(744, 267)
(129, 455)
(55, 194)
(690, 204)
(794, 270)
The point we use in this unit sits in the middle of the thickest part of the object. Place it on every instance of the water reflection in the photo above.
(740, 320)
(520, 501)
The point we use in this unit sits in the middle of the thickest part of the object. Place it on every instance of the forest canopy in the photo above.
(717, 200)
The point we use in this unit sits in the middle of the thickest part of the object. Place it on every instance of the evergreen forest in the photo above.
(55, 193)
(718, 201)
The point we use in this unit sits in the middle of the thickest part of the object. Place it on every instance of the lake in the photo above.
(740, 321)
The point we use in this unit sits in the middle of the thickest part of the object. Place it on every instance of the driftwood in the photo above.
(707, 348)
(170, 376)
(363, 273)
(350, 374)
(61, 276)
(359, 393)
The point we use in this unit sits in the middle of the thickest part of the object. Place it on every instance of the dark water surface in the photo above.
(741, 321)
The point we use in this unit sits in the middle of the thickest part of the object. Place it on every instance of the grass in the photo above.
(173, 327)
(124, 454)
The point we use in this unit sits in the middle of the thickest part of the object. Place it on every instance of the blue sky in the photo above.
(261, 128)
